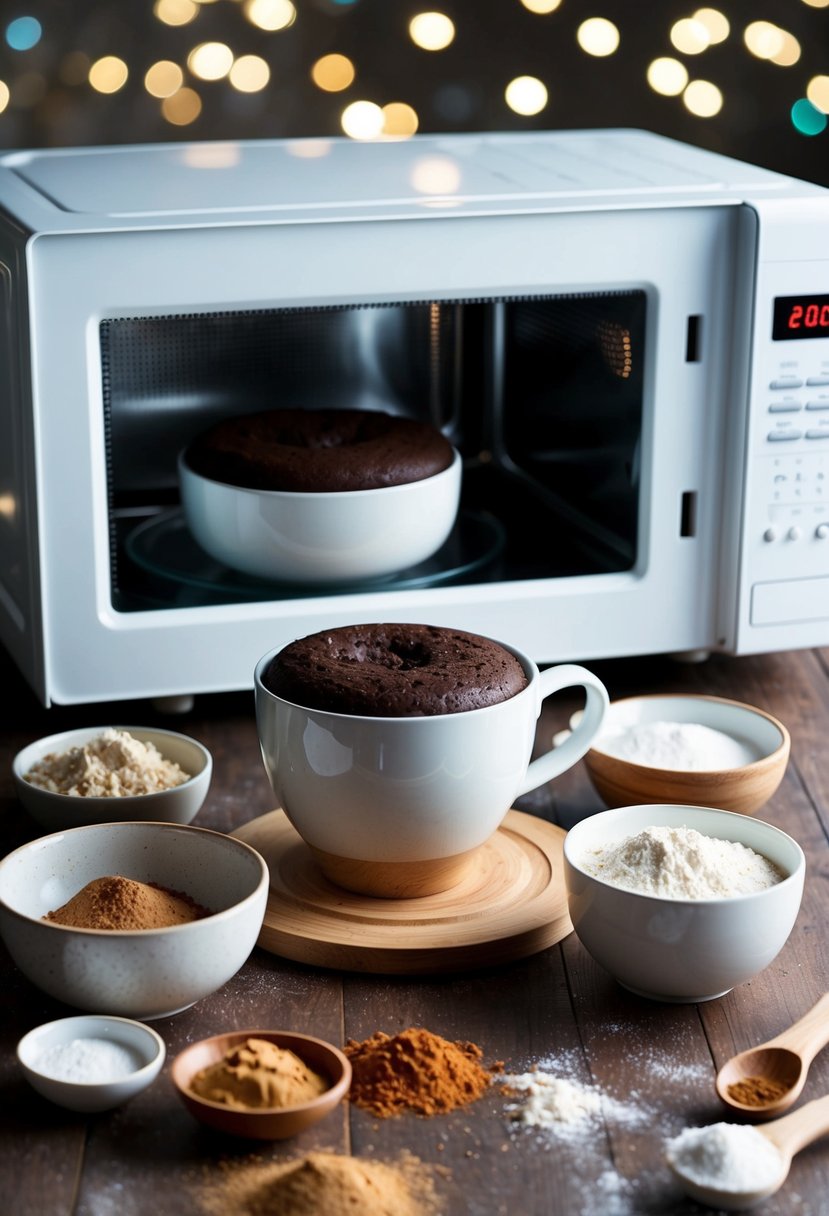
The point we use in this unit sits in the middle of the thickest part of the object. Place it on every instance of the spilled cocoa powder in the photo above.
(323, 1184)
(415, 1070)
(115, 902)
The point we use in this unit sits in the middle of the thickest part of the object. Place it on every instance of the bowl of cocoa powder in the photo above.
(140, 920)
(103, 774)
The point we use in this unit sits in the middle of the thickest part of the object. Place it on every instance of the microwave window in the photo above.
(541, 395)
(800, 317)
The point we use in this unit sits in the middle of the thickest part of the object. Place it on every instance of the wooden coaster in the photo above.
(510, 903)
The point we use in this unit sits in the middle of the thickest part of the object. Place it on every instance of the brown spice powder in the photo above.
(415, 1070)
(324, 1184)
(756, 1091)
(115, 902)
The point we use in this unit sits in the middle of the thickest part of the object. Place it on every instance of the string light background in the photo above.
(747, 78)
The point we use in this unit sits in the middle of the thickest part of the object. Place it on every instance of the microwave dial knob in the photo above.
(793, 533)
(822, 531)
(769, 535)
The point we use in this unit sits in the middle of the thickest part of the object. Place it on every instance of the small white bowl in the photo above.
(138, 973)
(54, 811)
(336, 537)
(681, 950)
(143, 1043)
(744, 788)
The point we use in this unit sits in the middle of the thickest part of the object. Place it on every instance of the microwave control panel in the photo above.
(787, 507)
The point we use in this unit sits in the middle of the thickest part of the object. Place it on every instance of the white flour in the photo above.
(682, 746)
(681, 863)
(728, 1156)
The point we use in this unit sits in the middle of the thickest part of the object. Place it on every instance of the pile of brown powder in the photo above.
(258, 1074)
(324, 1184)
(114, 764)
(417, 1071)
(114, 902)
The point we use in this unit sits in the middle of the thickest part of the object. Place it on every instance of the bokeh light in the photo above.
(362, 120)
(690, 36)
(817, 91)
(249, 74)
(163, 79)
(541, 6)
(703, 98)
(598, 36)
(667, 76)
(435, 175)
(210, 60)
(270, 15)
(23, 33)
(176, 12)
(333, 73)
(432, 31)
(789, 52)
(526, 95)
(4, 95)
(807, 118)
(108, 75)
(182, 108)
(715, 22)
(764, 39)
(399, 120)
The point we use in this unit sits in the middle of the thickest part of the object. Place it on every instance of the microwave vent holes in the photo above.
(693, 340)
(617, 348)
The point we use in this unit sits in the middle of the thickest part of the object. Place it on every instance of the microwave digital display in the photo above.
(800, 317)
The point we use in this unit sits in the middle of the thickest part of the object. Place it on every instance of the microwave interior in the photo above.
(542, 396)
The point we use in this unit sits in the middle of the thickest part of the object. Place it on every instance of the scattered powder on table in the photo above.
(415, 1071)
(90, 1061)
(681, 863)
(324, 1184)
(561, 1107)
(682, 746)
(114, 764)
(728, 1156)
(256, 1074)
(114, 902)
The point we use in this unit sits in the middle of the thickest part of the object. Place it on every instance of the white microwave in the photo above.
(626, 338)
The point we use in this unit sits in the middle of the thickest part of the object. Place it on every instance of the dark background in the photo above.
(51, 102)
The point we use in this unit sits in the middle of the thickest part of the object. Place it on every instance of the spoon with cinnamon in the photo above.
(766, 1080)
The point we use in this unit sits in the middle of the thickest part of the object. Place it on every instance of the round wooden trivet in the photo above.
(511, 903)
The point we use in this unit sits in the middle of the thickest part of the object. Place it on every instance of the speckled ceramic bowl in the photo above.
(141, 973)
(54, 811)
(143, 1044)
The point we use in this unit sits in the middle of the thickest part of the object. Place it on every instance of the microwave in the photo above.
(625, 338)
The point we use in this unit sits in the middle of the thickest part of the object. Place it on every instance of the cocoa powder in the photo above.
(756, 1091)
(415, 1070)
(115, 902)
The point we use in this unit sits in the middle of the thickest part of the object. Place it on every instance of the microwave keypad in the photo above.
(795, 395)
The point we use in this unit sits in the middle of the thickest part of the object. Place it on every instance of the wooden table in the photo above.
(658, 1060)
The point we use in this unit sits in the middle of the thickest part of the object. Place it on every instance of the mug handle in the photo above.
(559, 759)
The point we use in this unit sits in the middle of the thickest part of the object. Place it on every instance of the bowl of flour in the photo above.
(700, 750)
(682, 903)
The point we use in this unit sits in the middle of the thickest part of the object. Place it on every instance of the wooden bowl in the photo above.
(268, 1123)
(744, 789)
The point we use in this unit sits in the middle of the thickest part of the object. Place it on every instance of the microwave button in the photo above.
(789, 407)
(770, 535)
(822, 433)
(820, 404)
(787, 382)
(813, 381)
(779, 436)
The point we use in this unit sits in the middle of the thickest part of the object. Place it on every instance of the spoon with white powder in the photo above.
(735, 1166)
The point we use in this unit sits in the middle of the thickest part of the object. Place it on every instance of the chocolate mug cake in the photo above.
(395, 671)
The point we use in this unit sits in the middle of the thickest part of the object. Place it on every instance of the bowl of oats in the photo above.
(107, 774)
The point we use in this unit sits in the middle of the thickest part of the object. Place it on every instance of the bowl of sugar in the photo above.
(682, 903)
(91, 1063)
(688, 750)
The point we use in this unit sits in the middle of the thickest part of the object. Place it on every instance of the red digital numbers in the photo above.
(813, 316)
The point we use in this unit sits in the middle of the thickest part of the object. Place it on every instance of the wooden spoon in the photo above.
(783, 1061)
(789, 1135)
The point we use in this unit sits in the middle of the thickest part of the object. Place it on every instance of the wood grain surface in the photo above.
(556, 1008)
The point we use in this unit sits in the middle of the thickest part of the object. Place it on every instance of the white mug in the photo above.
(397, 806)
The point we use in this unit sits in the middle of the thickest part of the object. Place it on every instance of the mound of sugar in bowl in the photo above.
(114, 764)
